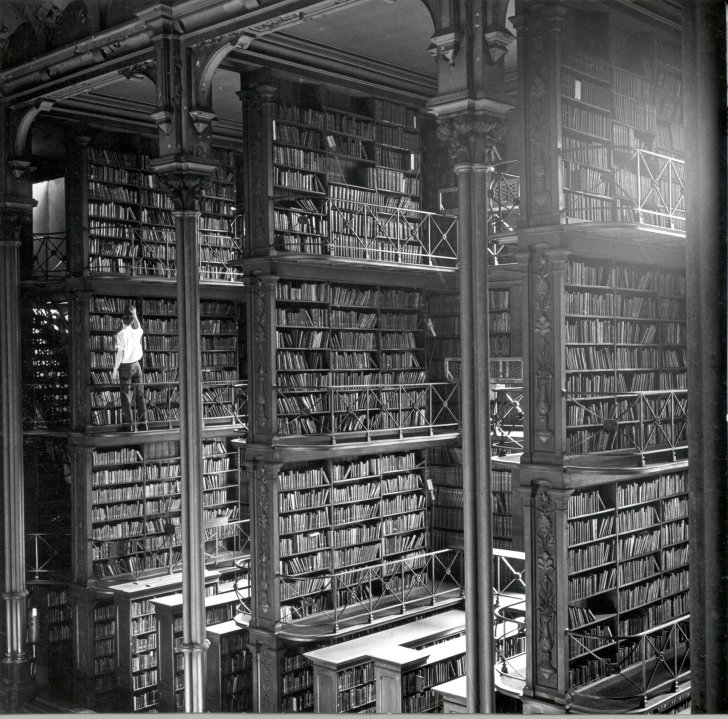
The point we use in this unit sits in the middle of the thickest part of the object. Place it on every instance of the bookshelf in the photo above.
(336, 345)
(160, 362)
(628, 551)
(56, 621)
(131, 221)
(621, 133)
(222, 329)
(135, 507)
(219, 609)
(220, 228)
(138, 653)
(345, 179)
(445, 661)
(229, 669)
(131, 227)
(342, 516)
(105, 653)
(296, 682)
(624, 336)
(370, 674)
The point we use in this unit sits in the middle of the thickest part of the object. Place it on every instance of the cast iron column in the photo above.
(17, 683)
(704, 46)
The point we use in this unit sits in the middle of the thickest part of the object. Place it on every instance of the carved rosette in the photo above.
(471, 137)
(545, 573)
(262, 421)
(543, 340)
(263, 536)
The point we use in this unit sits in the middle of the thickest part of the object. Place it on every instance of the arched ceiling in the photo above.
(396, 33)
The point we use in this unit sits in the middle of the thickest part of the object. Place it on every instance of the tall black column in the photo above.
(17, 684)
(186, 183)
(704, 46)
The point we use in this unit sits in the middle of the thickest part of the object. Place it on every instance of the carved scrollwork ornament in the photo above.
(261, 370)
(543, 351)
(263, 537)
(545, 572)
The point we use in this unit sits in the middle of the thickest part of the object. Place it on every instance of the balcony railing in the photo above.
(647, 663)
(369, 410)
(506, 420)
(44, 557)
(49, 256)
(372, 592)
(361, 230)
(226, 541)
(223, 402)
(640, 422)
(220, 255)
(646, 188)
(509, 611)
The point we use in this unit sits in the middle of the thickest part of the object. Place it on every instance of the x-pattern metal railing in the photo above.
(509, 611)
(370, 409)
(219, 253)
(224, 402)
(655, 660)
(49, 256)
(504, 201)
(43, 555)
(378, 589)
(641, 421)
(391, 234)
(647, 187)
(227, 542)
(506, 420)
(661, 187)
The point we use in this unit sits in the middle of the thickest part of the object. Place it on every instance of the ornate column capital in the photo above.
(186, 184)
(471, 137)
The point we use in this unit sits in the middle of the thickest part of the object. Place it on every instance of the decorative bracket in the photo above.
(20, 167)
(26, 120)
(163, 120)
(497, 42)
(201, 119)
(446, 44)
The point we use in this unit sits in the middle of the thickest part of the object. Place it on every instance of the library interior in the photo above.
(238, 478)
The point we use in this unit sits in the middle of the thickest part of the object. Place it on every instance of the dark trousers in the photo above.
(131, 380)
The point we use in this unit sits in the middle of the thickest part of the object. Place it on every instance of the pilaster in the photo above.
(544, 371)
(538, 25)
(262, 360)
(77, 226)
(545, 517)
(267, 656)
(81, 551)
(264, 543)
(258, 118)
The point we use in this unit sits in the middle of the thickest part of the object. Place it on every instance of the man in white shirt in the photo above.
(128, 372)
